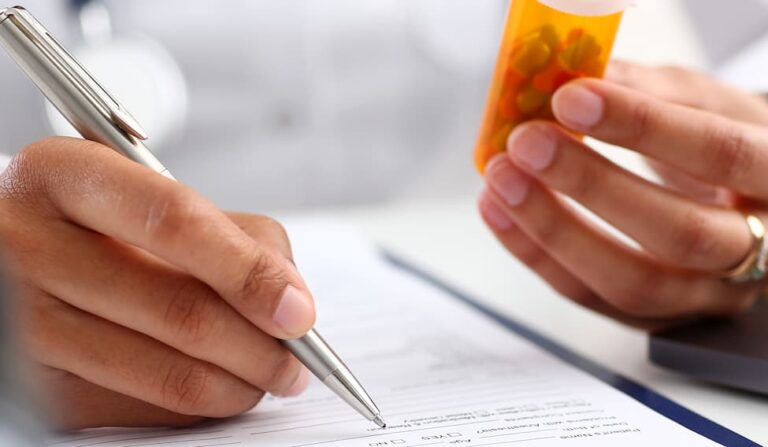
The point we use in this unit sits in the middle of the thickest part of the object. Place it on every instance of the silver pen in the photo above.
(97, 116)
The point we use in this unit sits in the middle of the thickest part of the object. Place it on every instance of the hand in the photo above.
(710, 143)
(141, 303)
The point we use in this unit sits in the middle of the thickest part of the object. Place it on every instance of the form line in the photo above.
(469, 404)
(178, 441)
(387, 433)
(304, 426)
(519, 433)
(516, 441)
(403, 406)
(151, 436)
(217, 445)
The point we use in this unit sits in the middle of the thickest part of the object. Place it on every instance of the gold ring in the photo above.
(753, 266)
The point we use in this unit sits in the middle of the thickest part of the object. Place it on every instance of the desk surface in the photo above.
(449, 240)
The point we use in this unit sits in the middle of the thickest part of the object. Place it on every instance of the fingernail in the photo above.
(494, 216)
(508, 182)
(294, 314)
(299, 385)
(532, 146)
(578, 107)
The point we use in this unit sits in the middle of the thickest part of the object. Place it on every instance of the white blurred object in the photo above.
(138, 71)
(747, 69)
(461, 38)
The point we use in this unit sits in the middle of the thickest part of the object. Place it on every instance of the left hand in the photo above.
(709, 143)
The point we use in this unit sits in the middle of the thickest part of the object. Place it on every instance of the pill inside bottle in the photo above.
(546, 44)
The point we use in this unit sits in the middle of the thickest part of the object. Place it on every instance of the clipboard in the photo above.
(660, 404)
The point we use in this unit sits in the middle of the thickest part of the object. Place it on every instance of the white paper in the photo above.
(442, 374)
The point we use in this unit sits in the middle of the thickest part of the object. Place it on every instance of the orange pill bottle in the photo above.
(546, 44)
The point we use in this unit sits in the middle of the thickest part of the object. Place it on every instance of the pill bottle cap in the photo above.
(588, 7)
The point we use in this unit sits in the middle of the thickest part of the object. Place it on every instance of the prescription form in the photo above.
(442, 373)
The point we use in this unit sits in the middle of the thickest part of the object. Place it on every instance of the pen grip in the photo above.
(315, 354)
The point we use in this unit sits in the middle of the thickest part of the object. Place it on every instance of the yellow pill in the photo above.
(581, 52)
(530, 56)
(499, 140)
(531, 100)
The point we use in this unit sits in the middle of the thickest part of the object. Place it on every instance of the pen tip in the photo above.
(380, 422)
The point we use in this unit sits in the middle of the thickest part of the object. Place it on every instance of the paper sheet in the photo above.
(441, 373)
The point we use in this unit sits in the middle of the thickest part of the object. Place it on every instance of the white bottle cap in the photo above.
(588, 7)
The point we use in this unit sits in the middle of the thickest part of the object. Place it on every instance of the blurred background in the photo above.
(268, 105)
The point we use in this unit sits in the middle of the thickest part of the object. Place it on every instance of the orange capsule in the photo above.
(508, 108)
(552, 77)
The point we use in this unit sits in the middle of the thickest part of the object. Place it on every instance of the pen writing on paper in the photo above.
(459, 379)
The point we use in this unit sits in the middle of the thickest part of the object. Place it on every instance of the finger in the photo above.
(73, 404)
(629, 281)
(124, 285)
(98, 189)
(129, 363)
(690, 88)
(689, 186)
(708, 147)
(530, 253)
(265, 231)
(498, 218)
(681, 232)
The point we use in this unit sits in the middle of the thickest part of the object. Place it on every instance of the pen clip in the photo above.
(85, 83)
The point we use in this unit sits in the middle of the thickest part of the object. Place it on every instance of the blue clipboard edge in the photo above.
(662, 405)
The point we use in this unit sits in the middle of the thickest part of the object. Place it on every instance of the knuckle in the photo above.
(50, 164)
(582, 182)
(192, 314)
(548, 232)
(532, 256)
(639, 297)
(731, 155)
(170, 212)
(186, 388)
(21, 177)
(528, 252)
(693, 238)
(641, 115)
(262, 280)
(275, 227)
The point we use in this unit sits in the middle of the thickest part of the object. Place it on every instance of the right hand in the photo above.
(140, 302)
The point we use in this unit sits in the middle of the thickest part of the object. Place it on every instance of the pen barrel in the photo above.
(315, 354)
(320, 359)
(90, 122)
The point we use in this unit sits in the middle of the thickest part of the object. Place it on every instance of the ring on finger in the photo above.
(753, 266)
